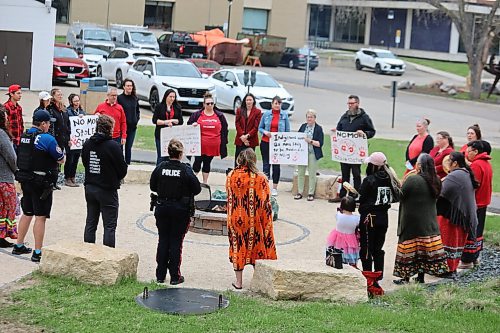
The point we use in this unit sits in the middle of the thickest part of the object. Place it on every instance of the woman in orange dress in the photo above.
(249, 215)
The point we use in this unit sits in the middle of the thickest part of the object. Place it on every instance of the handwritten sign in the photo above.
(349, 147)
(190, 137)
(288, 148)
(82, 128)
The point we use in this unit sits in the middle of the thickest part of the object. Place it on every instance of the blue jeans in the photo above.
(129, 143)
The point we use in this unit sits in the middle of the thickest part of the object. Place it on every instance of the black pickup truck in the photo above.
(180, 45)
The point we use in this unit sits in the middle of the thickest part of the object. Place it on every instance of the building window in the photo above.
(254, 21)
(62, 7)
(319, 22)
(158, 14)
(349, 26)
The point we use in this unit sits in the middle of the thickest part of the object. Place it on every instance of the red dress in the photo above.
(438, 159)
(210, 134)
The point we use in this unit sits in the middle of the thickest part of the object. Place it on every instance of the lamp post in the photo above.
(390, 18)
(318, 10)
(229, 17)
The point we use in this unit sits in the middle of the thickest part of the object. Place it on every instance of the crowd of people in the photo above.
(442, 198)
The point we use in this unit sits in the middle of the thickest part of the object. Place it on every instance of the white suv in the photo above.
(382, 61)
(153, 76)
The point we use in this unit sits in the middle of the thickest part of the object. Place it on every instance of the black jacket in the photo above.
(375, 193)
(130, 105)
(161, 114)
(426, 148)
(174, 180)
(103, 161)
(60, 128)
(224, 132)
(360, 121)
(317, 136)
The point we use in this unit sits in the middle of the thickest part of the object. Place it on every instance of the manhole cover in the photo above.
(182, 300)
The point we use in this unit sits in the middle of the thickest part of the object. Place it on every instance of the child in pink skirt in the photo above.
(344, 236)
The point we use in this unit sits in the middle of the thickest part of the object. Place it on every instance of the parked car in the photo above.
(231, 90)
(115, 66)
(91, 55)
(382, 61)
(67, 65)
(297, 58)
(180, 45)
(153, 76)
(205, 66)
(133, 36)
(85, 34)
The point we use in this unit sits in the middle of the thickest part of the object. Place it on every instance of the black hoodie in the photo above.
(360, 121)
(375, 193)
(103, 161)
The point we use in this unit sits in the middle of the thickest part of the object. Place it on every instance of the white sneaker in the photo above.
(274, 192)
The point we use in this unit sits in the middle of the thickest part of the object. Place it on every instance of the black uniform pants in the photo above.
(346, 168)
(101, 201)
(373, 227)
(172, 221)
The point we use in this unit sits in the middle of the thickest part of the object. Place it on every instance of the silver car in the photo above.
(85, 34)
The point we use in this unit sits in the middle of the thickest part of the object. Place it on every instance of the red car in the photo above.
(205, 66)
(67, 65)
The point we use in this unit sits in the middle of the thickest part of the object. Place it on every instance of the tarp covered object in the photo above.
(226, 51)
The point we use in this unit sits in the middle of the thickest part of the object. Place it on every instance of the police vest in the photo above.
(171, 181)
(29, 158)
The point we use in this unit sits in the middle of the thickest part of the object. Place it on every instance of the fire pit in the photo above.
(210, 216)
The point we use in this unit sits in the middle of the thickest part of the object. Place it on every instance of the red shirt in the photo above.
(415, 147)
(116, 112)
(274, 124)
(483, 173)
(210, 134)
(15, 116)
(438, 159)
(170, 114)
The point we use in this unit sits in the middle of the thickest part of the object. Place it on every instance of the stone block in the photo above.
(89, 263)
(213, 224)
(326, 186)
(308, 280)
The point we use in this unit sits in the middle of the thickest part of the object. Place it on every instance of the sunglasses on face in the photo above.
(210, 103)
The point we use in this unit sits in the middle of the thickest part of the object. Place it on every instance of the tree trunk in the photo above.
(475, 74)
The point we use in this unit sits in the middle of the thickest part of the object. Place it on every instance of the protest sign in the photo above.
(288, 148)
(190, 137)
(349, 147)
(82, 128)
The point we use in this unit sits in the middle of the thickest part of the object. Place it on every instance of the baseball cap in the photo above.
(13, 88)
(44, 95)
(377, 158)
(42, 115)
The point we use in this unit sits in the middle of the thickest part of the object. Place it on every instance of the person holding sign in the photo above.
(214, 131)
(247, 125)
(274, 120)
(72, 155)
(167, 113)
(314, 138)
(355, 119)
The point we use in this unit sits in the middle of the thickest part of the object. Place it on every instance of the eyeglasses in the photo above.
(113, 95)
(210, 103)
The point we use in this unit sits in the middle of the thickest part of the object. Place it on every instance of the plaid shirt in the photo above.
(15, 114)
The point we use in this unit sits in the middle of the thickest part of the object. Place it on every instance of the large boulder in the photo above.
(308, 280)
(89, 263)
(326, 186)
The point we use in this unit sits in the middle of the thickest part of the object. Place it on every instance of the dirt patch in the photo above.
(6, 323)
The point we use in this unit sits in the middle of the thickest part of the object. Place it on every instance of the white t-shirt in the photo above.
(347, 224)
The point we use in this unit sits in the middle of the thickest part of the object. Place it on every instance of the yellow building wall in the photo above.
(96, 11)
(288, 19)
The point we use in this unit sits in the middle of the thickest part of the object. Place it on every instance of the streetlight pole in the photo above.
(390, 18)
(229, 17)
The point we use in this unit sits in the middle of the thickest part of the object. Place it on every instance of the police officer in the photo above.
(176, 185)
(37, 160)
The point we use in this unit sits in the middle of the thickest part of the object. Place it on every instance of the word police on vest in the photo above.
(171, 173)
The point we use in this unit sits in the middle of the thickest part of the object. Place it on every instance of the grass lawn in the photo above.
(492, 230)
(62, 305)
(61, 39)
(393, 149)
(457, 68)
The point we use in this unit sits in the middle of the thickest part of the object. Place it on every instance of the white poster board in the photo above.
(288, 148)
(82, 128)
(349, 147)
(189, 135)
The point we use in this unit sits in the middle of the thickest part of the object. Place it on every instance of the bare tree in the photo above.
(476, 32)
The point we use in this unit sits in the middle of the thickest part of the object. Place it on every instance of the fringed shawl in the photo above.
(457, 200)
